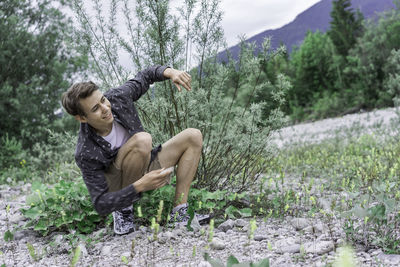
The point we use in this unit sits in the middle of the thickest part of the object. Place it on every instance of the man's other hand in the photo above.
(152, 180)
(179, 78)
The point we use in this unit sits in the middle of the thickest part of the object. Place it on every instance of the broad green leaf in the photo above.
(231, 261)
(8, 236)
(32, 213)
(360, 212)
(245, 212)
(41, 225)
(230, 211)
(262, 263)
(213, 262)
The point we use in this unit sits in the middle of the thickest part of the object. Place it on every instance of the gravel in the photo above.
(286, 242)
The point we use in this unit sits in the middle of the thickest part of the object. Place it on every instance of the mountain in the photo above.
(315, 18)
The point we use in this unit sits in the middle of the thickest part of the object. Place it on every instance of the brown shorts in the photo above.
(119, 175)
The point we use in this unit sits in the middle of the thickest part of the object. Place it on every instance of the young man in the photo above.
(116, 156)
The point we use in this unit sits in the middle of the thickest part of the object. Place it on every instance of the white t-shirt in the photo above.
(118, 135)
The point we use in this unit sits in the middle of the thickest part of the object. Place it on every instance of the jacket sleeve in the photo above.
(136, 87)
(105, 202)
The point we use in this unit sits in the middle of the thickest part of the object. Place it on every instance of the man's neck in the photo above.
(105, 131)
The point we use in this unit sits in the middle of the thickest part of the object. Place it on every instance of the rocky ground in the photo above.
(287, 242)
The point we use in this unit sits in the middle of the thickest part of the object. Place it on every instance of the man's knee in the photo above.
(141, 143)
(195, 137)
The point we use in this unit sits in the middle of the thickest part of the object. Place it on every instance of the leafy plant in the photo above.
(233, 262)
(65, 206)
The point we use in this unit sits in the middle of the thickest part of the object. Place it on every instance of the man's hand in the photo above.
(179, 78)
(152, 180)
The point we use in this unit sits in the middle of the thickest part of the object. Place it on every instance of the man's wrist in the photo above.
(167, 73)
(138, 186)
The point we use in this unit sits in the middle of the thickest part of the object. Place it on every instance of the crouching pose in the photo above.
(116, 156)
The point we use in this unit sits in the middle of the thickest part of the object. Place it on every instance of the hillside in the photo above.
(315, 18)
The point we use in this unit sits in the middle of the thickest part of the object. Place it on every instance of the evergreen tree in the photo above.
(346, 26)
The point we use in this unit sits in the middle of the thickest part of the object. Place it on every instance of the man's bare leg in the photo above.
(183, 150)
(135, 157)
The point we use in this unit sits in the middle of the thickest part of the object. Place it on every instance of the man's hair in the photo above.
(70, 99)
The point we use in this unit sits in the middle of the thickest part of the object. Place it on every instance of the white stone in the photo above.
(300, 223)
(106, 250)
(227, 225)
(240, 223)
(390, 259)
(217, 244)
(319, 248)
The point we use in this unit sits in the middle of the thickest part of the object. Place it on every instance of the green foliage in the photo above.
(38, 63)
(11, 154)
(233, 262)
(346, 26)
(392, 82)
(313, 73)
(65, 206)
(8, 236)
(220, 203)
(48, 161)
(58, 148)
(367, 61)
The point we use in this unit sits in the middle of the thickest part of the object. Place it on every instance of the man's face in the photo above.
(98, 114)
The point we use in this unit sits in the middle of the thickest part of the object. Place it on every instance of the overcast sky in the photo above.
(250, 17)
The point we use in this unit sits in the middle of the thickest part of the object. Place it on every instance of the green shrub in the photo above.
(60, 147)
(11, 153)
(65, 206)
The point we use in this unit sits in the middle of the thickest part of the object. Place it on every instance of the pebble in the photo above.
(260, 237)
(217, 244)
(319, 248)
(295, 248)
(229, 232)
(106, 250)
(24, 234)
(390, 259)
(300, 223)
(241, 223)
(169, 235)
(227, 225)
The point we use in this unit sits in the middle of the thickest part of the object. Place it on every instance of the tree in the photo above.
(37, 62)
(346, 26)
(312, 71)
(367, 61)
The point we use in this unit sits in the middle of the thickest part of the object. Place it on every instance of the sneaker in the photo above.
(180, 216)
(124, 221)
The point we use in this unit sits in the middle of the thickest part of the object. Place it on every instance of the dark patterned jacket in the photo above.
(93, 154)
